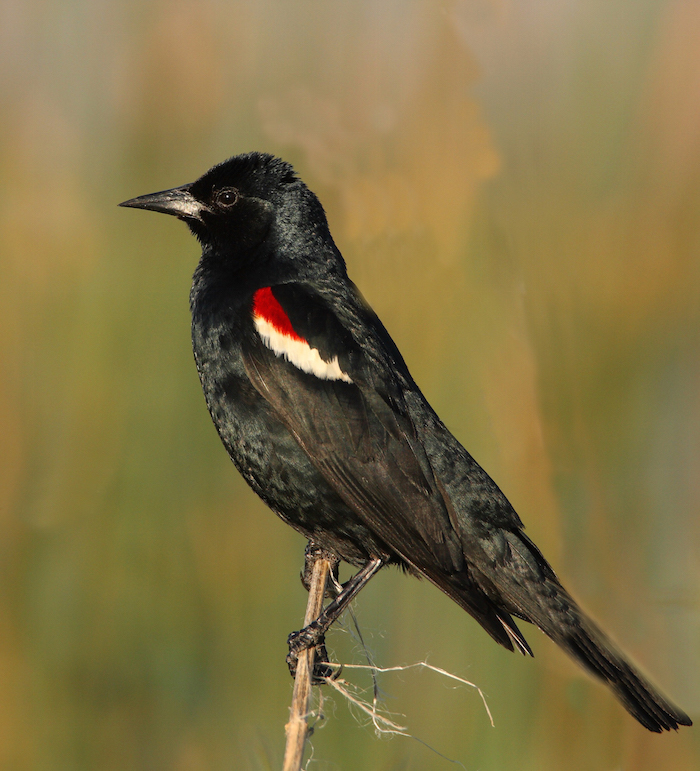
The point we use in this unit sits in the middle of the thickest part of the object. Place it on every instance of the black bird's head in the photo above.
(248, 208)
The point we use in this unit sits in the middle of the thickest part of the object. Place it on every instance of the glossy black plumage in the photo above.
(357, 461)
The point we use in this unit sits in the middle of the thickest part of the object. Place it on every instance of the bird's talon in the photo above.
(303, 640)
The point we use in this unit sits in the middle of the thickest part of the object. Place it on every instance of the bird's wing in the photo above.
(350, 419)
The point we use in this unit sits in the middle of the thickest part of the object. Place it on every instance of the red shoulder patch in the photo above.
(265, 306)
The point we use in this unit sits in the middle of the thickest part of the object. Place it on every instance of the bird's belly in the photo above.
(281, 473)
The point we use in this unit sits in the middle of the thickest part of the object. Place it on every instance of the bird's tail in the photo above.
(530, 590)
(579, 636)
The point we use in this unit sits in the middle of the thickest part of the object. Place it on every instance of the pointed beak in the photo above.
(178, 202)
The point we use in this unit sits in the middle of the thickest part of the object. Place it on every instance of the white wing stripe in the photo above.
(299, 352)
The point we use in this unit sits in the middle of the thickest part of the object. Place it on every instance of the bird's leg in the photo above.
(313, 634)
(312, 553)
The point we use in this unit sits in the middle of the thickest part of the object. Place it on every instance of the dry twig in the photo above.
(297, 727)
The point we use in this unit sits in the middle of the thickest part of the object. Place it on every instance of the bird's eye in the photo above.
(226, 197)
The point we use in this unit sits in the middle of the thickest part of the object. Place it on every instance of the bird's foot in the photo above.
(312, 635)
(306, 638)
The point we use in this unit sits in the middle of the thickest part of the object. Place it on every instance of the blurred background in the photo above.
(515, 185)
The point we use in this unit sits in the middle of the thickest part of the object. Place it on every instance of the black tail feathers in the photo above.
(554, 611)
(591, 648)
(527, 587)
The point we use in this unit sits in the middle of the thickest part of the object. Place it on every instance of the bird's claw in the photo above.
(303, 640)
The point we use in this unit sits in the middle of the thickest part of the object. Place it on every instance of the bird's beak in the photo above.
(178, 201)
